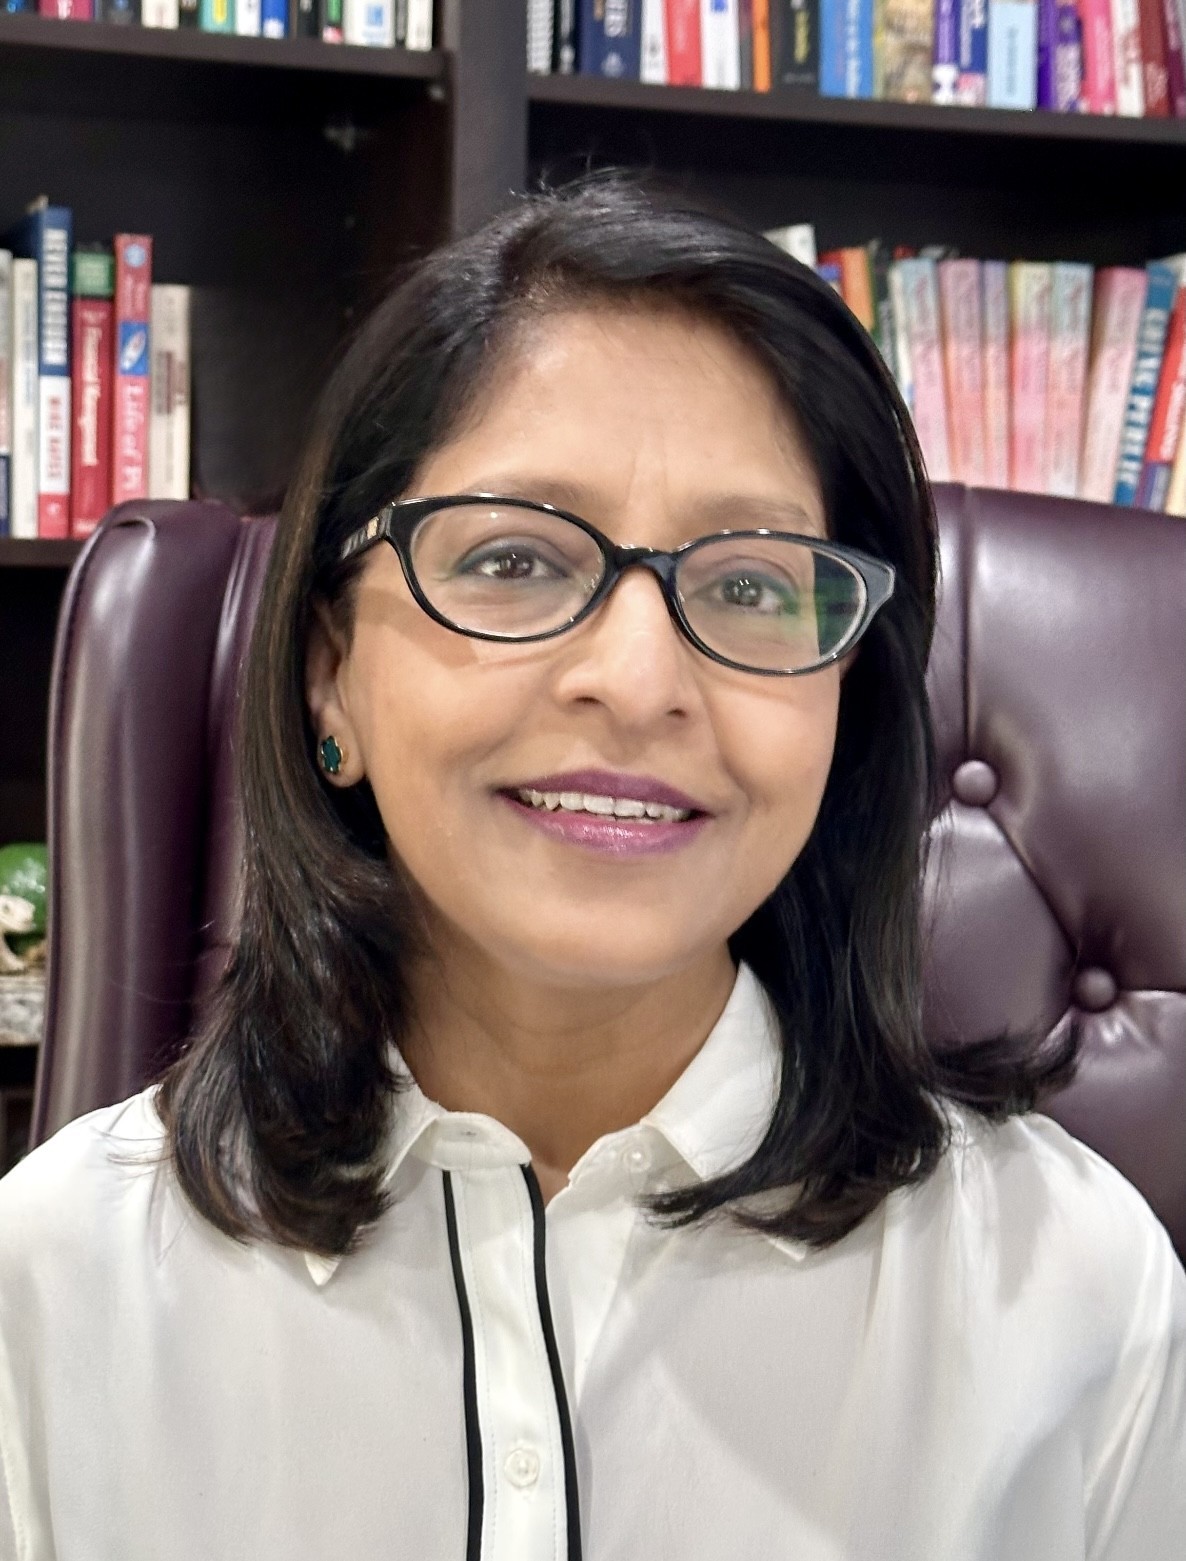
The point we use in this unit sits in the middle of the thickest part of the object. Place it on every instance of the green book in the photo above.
(216, 16)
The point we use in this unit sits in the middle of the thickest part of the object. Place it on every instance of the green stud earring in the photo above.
(331, 755)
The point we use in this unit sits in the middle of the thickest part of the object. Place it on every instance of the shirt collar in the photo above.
(713, 1117)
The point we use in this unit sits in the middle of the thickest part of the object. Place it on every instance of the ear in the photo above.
(327, 657)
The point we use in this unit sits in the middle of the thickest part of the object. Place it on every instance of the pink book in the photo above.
(995, 277)
(1119, 304)
(1029, 298)
(920, 293)
(1070, 335)
(68, 10)
(963, 352)
(1099, 58)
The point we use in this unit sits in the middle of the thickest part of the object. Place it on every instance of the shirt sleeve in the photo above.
(1136, 1488)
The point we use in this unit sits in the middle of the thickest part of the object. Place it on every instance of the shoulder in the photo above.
(61, 1199)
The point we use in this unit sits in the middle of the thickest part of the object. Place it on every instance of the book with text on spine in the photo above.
(994, 278)
(610, 39)
(129, 443)
(22, 493)
(5, 387)
(1099, 56)
(370, 23)
(945, 56)
(1012, 54)
(720, 44)
(92, 312)
(1174, 16)
(794, 44)
(907, 47)
(216, 16)
(1070, 338)
(249, 18)
(1029, 369)
(653, 67)
(683, 43)
(846, 48)
(45, 236)
(1169, 405)
(1126, 52)
(169, 431)
(971, 88)
(1119, 301)
(419, 29)
(963, 351)
(1161, 286)
(67, 10)
(920, 302)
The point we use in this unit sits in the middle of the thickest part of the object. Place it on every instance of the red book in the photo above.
(683, 43)
(1165, 426)
(1153, 59)
(68, 10)
(93, 325)
(129, 443)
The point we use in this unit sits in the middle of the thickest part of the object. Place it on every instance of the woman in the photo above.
(560, 1170)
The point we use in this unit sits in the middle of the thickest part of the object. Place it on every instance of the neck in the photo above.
(559, 1065)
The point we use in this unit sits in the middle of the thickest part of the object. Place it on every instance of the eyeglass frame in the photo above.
(396, 524)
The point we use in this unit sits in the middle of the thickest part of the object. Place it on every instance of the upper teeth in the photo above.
(617, 807)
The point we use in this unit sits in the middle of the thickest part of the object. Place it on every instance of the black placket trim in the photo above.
(469, 1381)
(572, 1502)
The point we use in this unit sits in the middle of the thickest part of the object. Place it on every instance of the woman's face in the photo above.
(658, 428)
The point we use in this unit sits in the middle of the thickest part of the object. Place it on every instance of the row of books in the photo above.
(94, 378)
(1046, 377)
(380, 24)
(1075, 56)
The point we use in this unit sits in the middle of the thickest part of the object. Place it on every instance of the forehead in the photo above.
(633, 415)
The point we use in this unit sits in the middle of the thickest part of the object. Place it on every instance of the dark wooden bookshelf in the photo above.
(39, 553)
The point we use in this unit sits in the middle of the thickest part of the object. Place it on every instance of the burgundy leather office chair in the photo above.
(1057, 681)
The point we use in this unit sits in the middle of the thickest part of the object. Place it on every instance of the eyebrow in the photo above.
(714, 511)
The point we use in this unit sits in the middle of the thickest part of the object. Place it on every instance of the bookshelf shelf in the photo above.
(805, 108)
(17, 553)
(36, 33)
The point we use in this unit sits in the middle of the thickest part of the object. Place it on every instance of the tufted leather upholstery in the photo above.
(1059, 878)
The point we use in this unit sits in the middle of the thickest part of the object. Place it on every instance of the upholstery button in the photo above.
(522, 1467)
(975, 783)
(1094, 989)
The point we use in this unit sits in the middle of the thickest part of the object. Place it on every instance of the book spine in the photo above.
(249, 18)
(1175, 499)
(216, 16)
(945, 68)
(610, 43)
(1029, 296)
(720, 44)
(303, 20)
(653, 67)
(564, 38)
(419, 30)
(1012, 53)
(797, 240)
(332, 29)
(921, 297)
(22, 507)
(1068, 58)
(1047, 35)
(401, 21)
(903, 367)
(124, 13)
(168, 444)
(1120, 299)
(683, 42)
(908, 41)
(67, 10)
(1070, 334)
(971, 88)
(1134, 433)
(1154, 65)
(883, 309)
(540, 20)
(763, 70)
(133, 282)
(1126, 50)
(995, 280)
(369, 23)
(50, 240)
(1175, 61)
(1099, 57)
(963, 353)
(6, 388)
(857, 284)
(188, 13)
(1165, 425)
(159, 13)
(274, 18)
(795, 44)
(745, 44)
(90, 478)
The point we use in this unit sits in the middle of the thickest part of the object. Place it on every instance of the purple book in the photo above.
(945, 56)
(1047, 35)
(1068, 58)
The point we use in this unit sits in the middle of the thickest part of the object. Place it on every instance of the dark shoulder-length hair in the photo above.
(277, 1113)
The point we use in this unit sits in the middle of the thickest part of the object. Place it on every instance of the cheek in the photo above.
(781, 757)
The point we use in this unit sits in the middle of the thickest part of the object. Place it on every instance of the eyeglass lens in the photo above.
(764, 602)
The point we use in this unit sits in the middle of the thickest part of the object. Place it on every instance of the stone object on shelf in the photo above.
(22, 1008)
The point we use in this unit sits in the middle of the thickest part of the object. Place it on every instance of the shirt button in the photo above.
(522, 1467)
(637, 1158)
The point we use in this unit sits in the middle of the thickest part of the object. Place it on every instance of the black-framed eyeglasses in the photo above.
(772, 602)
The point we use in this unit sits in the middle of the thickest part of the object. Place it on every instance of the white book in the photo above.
(654, 42)
(903, 367)
(159, 13)
(1126, 45)
(539, 37)
(370, 23)
(798, 239)
(5, 383)
(419, 32)
(25, 398)
(720, 44)
(169, 395)
(248, 18)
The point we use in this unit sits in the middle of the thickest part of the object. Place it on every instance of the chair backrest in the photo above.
(1059, 885)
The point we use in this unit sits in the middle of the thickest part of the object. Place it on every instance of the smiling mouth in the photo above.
(602, 806)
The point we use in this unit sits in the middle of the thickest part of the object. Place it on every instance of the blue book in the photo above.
(274, 18)
(972, 85)
(46, 235)
(1155, 318)
(846, 48)
(1012, 54)
(610, 42)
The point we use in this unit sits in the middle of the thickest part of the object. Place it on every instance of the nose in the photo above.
(630, 657)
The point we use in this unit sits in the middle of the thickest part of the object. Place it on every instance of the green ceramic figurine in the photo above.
(23, 877)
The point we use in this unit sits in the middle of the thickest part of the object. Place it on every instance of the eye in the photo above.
(751, 591)
(509, 561)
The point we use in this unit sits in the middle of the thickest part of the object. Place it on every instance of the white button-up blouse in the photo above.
(992, 1367)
